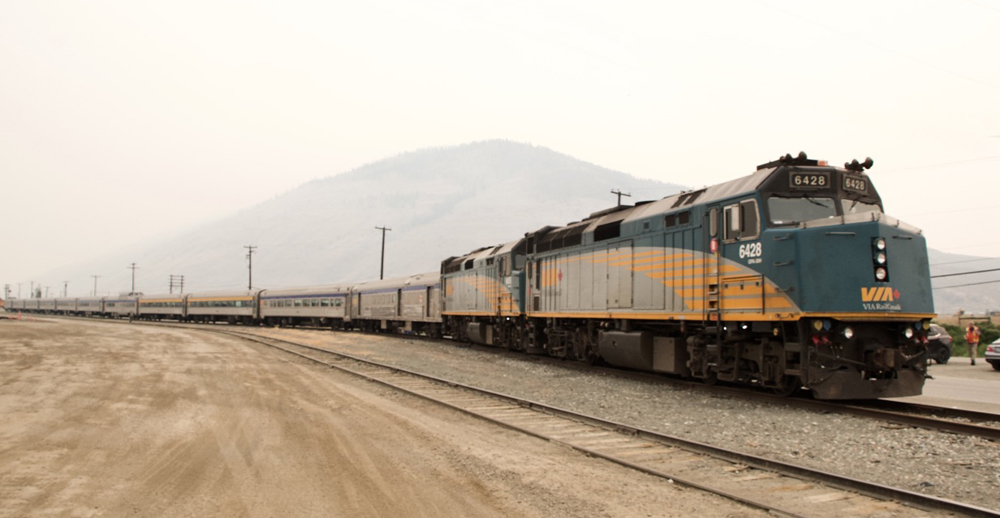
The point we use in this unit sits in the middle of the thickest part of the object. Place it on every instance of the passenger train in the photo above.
(791, 277)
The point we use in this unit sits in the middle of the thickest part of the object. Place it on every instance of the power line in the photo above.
(620, 194)
(981, 245)
(176, 281)
(965, 273)
(967, 261)
(957, 162)
(963, 285)
(250, 250)
(381, 271)
(133, 267)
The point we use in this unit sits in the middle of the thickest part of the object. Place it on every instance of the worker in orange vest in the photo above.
(972, 338)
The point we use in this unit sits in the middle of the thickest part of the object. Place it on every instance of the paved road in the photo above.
(961, 385)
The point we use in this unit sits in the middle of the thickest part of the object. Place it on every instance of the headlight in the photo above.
(880, 258)
(908, 332)
(880, 273)
(880, 243)
(848, 333)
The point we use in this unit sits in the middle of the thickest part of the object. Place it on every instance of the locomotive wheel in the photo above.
(587, 348)
(789, 385)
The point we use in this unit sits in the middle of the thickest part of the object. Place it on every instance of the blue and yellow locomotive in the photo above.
(790, 277)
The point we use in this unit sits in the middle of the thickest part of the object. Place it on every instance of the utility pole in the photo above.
(46, 292)
(95, 283)
(381, 271)
(250, 250)
(132, 267)
(32, 292)
(177, 281)
(65, 288)
(6, 291)
(620, 194)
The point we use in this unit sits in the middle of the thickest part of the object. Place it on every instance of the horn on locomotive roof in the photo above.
(859, 167)
(788, 159)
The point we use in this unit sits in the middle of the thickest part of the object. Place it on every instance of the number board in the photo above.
(798, 180)
(856, 184)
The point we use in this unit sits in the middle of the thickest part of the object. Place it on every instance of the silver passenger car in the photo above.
(157, 307)
(89, 306)
(65, 306)
(408, 304)
(122, 306)
(233, 306)
(314, 305)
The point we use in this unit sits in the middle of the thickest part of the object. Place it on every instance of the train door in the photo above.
(712, 259)
(502, 280)
(619, 261)
(732, 289)
(489, 287)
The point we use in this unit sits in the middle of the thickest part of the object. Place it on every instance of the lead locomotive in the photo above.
(790, 277)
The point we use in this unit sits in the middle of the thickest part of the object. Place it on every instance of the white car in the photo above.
(993, 354)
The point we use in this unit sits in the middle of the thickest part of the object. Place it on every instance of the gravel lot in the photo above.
(105, 419)
(961, 468)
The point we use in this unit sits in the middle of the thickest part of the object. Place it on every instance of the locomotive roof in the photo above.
(487, 251)
(420, 279)
(721, 191)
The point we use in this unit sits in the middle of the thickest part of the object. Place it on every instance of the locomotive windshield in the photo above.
(801, 194)
(789, 211)
(859, 206)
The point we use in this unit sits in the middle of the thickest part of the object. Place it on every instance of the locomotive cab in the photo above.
(814, 284)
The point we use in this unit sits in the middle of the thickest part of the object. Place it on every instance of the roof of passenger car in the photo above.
(417, 280)
(307, 291)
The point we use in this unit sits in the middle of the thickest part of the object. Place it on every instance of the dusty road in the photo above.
(123, 420)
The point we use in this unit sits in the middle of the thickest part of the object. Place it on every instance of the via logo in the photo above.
(879, 294)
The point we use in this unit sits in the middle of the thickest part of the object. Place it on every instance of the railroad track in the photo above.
(754, 481)
(950, 420)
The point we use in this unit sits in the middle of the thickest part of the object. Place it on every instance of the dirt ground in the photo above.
(104, 419)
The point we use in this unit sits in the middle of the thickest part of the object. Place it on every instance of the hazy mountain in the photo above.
(975, 293)
(438, 203)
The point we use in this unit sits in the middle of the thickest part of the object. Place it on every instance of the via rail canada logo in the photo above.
(880, 298)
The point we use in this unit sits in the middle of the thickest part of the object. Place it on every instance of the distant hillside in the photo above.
(976, 293)
(438, 203)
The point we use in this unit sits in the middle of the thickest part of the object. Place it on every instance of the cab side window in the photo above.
(741, 221)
